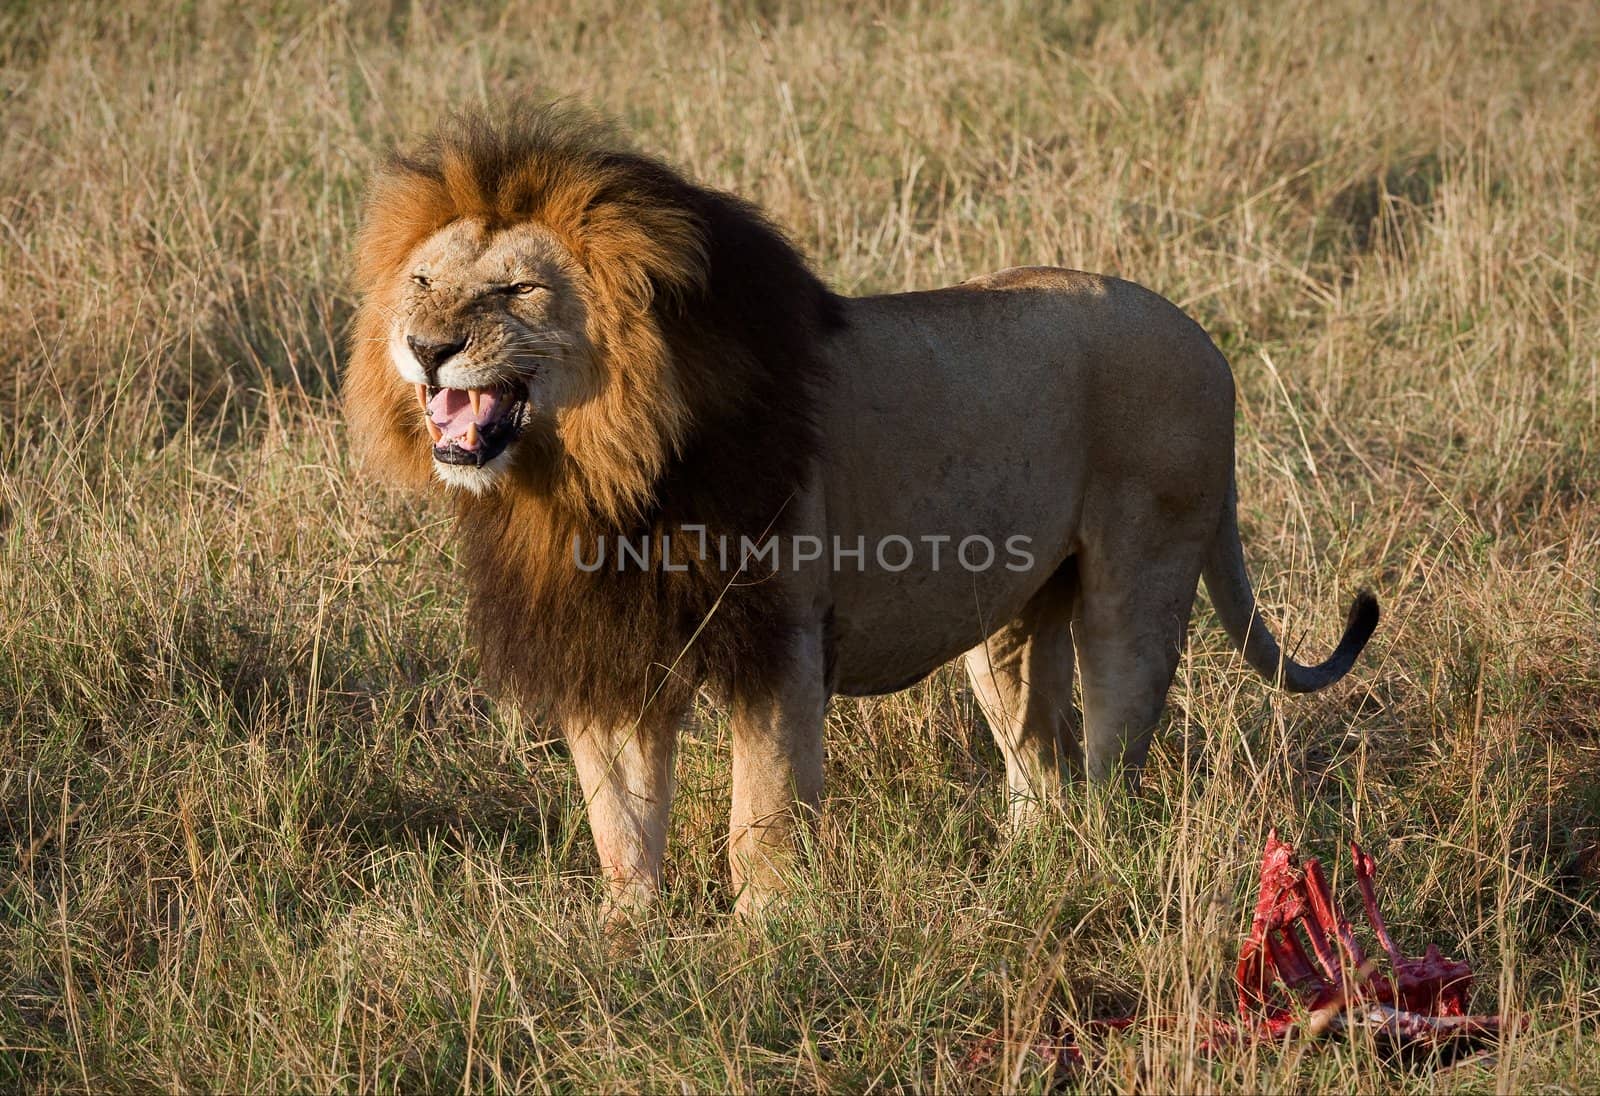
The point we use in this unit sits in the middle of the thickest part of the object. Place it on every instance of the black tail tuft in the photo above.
(1362, 621)
(1358, 628)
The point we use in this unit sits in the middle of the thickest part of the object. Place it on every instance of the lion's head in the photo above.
(513, 272)
(488, 328)
(580, 342)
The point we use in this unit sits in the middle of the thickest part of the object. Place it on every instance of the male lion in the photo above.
(605, 361)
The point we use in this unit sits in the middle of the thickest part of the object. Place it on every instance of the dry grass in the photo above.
(263, 829)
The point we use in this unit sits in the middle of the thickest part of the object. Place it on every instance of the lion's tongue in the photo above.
(451, 411)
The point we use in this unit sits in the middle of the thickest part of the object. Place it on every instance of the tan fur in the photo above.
(701, 377)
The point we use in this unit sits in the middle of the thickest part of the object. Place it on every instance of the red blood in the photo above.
(1283, 987)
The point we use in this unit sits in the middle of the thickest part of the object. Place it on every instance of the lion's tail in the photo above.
(1235, 601)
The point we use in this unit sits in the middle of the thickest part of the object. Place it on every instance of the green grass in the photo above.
(265, 830)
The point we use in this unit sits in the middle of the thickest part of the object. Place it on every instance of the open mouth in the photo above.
(471, 426)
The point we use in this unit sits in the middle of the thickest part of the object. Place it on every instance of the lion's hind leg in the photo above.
(1022, 679)
(1137, 591)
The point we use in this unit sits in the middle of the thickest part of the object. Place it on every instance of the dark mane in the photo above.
(708, 323)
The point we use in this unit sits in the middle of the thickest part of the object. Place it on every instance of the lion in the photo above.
(601, 360)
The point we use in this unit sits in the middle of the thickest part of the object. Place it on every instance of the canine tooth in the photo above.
(472, 434)
(476, 397)
(422, 396)
(433, 428)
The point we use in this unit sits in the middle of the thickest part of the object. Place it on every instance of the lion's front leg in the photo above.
(777, 771)
(627, 783)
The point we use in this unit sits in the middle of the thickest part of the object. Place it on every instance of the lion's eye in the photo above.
(525, 289)
(422, 280)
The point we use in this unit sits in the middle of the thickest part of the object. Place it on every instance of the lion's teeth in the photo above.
(422, 396)
(472, 435)
(433, 428)
(477, 398)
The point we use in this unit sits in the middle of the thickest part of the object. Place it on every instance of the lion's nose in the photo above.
(431, 354)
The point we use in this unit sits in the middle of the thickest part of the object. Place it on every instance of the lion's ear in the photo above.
(385, 425)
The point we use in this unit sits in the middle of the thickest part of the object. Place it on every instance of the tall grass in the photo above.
(264, 829)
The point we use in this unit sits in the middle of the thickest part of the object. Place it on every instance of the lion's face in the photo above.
(487, 326)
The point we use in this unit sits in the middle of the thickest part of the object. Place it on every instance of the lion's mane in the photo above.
(704, 322)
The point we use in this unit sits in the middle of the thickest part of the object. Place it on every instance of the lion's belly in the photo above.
(892, 636)
(930, 568)
(955, 470)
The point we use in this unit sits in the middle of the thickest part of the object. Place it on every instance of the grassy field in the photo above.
(264, 829)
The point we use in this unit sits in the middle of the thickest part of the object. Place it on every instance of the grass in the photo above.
(263, 828)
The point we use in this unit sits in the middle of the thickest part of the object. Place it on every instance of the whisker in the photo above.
(519, 341)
